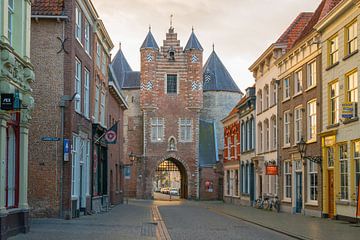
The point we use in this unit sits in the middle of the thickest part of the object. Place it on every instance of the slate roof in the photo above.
(126, 77)
(322, 10)
(47, 7)
(207, 144)
(295, 29)
(149, 42)
(193, 43)
(216, 77)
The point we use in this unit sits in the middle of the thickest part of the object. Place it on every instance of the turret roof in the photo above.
(149, 42)
(193, 43)
(216, 77)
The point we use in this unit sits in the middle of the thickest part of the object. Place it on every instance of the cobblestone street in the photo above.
(189, 220)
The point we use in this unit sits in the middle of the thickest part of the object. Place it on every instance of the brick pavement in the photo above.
(129, 221)
(299, 226)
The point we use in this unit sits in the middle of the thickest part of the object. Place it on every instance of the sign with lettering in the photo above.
(271, 170)
(329, 141)
(348, 110)
(66, 149)
(7, 101)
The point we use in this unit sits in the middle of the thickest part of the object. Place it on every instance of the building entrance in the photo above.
(170, 181)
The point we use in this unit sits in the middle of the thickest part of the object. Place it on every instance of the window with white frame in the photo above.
(286, 128)
(12, 164)
(287, 180)
(311, 74)
(357, 164)
(11, 8)
(298, 81)
(96, 106)
(98, 54)
(351, 37)
(103, 63)
(266, 98)
(311, 120)
(344, 172)
(252, 137)
(333, 50)
(185, 130)
(236, 183)
(102, 109)
(352, 87)
(313, 182)
(260, 137)
(248, 134)
(267, 135)
(274, 91)
(274, 133)
(286, 88)
(242, 137)
(87, 36)
(229, 148)
(78, 22)
(87, 93)
(259, 102)
(157, 129)
(334, 103)
(235, 146)
(75, 166)
(78, 69)
(298, 124)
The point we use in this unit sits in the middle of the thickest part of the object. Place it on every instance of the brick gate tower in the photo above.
(171, 98)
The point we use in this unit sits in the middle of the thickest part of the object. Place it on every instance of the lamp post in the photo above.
(302, 145)
(62, 105)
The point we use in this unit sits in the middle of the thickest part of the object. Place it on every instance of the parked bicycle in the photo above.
(268, 203)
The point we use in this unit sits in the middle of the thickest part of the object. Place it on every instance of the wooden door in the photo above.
(331, 193)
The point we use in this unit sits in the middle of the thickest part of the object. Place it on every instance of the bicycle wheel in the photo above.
(266, 204)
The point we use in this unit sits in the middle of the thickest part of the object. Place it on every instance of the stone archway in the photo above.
(171, 167)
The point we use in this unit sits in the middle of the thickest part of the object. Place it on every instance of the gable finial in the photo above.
(120, 45)
(171, 20)
(192, 28)
(213, 47)
(149, 27)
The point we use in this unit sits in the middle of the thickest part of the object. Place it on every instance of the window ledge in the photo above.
(311, 141)
(285, 100)
(343, 202)
(298, 94)
(286, 201)
(331, 66)
(311, 87)
(333, 125)
(286, 146)
(313, 204)
(354, 119)
(350, 54)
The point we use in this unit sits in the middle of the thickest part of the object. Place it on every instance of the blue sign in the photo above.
(50, 139)
(66, 146)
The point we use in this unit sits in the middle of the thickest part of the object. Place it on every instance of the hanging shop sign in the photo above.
(348, 110)
(272, 170)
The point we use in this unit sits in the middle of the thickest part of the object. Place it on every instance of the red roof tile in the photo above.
(322, 10)
(47, 7)
(295, 29)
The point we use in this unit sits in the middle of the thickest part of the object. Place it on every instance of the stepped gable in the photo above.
(149, 42)
(207, 143)
(47, 7)
(126, 77)
(216, 76)
(322, 10)
(193, 43)
(295, 29)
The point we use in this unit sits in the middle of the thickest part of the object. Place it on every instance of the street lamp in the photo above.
(62, 104)
(302, 150)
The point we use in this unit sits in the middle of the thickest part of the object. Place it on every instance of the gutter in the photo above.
(50, 17)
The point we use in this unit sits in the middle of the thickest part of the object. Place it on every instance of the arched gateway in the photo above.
(170, 179)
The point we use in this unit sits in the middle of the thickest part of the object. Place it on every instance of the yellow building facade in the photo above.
(340, 135)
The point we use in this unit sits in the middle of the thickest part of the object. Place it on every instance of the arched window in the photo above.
(273, 132)
(267, 135)
(260, 137)
(259, 102)
(266, 97)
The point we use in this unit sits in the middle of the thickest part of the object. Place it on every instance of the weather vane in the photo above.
(171, 18)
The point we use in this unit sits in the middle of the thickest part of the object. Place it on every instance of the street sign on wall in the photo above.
(66, 149)
(7, 101)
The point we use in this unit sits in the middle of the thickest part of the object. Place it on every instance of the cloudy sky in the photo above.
(240, 29)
